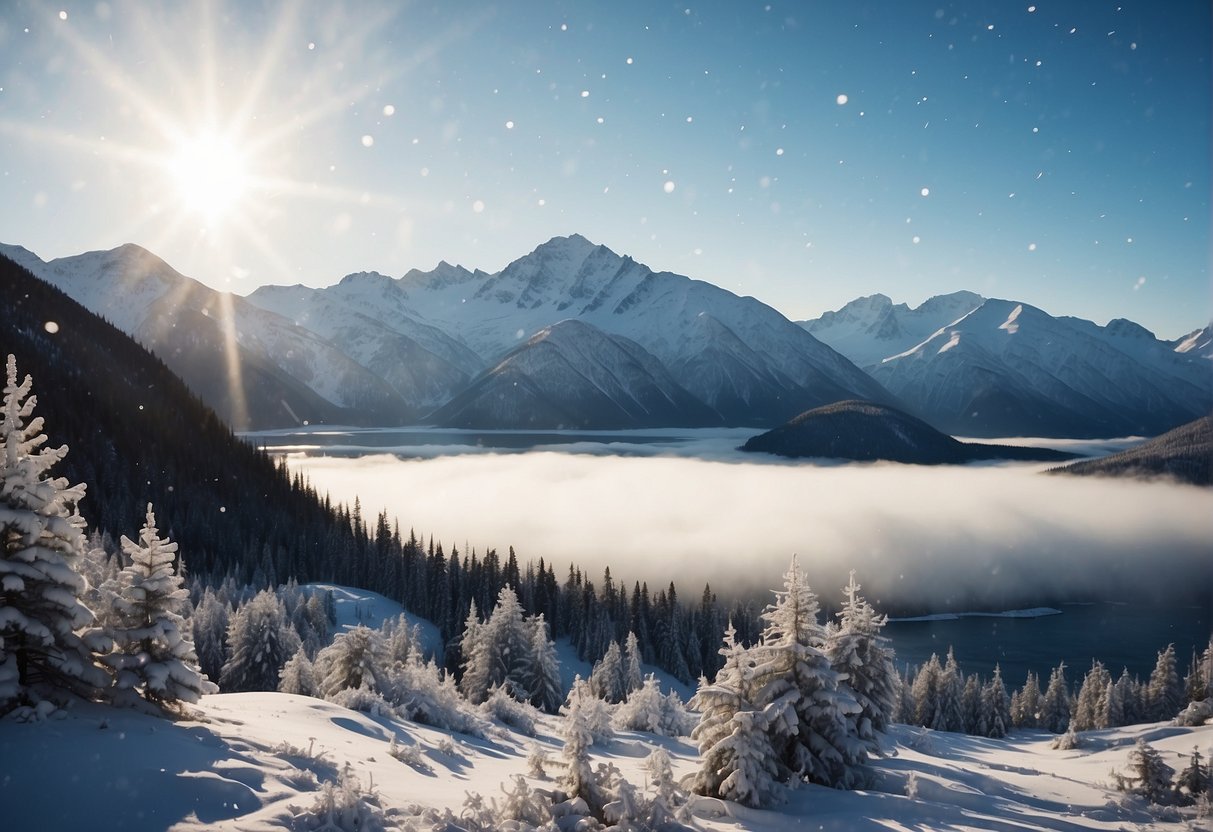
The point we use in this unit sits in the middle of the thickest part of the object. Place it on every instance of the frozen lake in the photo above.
(685, 506)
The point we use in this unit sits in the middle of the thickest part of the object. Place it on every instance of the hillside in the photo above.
(256, 761)
(865, 432)
(136, 435)
(1184, 454)
(573, 375)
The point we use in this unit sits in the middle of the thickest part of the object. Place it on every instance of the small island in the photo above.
(868, 432)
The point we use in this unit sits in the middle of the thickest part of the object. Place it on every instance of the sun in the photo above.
(210, 174)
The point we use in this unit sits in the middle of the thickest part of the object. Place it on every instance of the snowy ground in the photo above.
(370, 609)
(247, 759)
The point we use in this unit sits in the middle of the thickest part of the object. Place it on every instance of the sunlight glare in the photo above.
(210, 175)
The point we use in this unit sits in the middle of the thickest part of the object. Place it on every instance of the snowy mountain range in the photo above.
(571, 334)
(990, 367)
(575, 335)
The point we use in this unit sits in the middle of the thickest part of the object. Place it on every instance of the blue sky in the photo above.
(1054, 153)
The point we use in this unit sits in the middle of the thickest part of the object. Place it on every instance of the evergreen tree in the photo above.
(949, 715)
(976, 721)
(299, 676)
(739, 760)
(541, 670)
(632, 674)
(995, 707)
(859, 652)
(1196, 687)
(1055, 706)
(1148, 775)
(1025, 704)
(209, 623)
(260, 640)
(806, 705)
(1164, 693)
(153, 644)
(498, 652)
(1128, 692)
(42, 614)
(1090, 708)
(1194, 780)
(355, 659)
(607, 676)
(926, 693)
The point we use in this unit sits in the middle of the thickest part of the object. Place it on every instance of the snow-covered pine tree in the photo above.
(806, 705)
(717, 703)
(1194, 780)
(1025, 704)
(260, 639)
(632, 674)
(153, 643)
(950, 714)
(1148, 776)
(976, 721)
(1132, 693)
(1090, 708)
(606, 678)
(541, 669)
(1054, 712)
(645, 710)
(298, 675)
(926, 693)
(857, 650)
(996, 706)
(354, 659)
(497, 651)
(209, 623)
(1195, 687)
(42, 614)
(1164, 693)
(575, 754)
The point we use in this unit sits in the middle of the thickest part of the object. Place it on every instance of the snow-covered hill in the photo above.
(573, 375)
(254, 761)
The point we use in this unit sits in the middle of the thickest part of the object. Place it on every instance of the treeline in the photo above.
(939, 695)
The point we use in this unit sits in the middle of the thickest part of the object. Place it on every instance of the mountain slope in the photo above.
(1198, 343)
(256, 368)
(1008, 368)
(872, 328)
(1185, 454)
(863, 431)
(137, 435)
(572, 375)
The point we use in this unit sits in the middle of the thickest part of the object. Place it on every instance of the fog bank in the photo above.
(933, 538)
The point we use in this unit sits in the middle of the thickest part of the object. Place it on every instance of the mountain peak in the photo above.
(572, 247)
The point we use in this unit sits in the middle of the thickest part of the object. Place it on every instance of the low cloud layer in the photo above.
(920, 537)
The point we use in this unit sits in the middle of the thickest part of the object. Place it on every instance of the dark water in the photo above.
(356, 442)
(1119, 635)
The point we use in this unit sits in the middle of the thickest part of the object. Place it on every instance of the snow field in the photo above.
(248, 758)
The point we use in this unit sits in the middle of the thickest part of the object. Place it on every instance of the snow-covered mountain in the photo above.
(738, 356)
(573, 375)
(1007, 368)
(1198, 343)
(254, 367)
(872, 328)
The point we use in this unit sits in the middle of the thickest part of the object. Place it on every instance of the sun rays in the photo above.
(210, 140)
